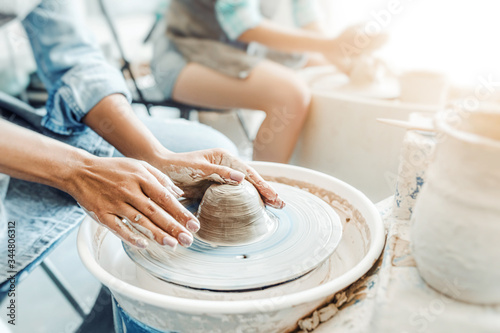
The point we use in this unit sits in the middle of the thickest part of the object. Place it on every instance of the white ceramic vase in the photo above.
(456, 221)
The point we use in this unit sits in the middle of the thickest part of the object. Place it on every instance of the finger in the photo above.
(171, 205)
(222, 174)
(122, 231)
(164, 180)
(163, 220)
(144, 226)
(269, 195)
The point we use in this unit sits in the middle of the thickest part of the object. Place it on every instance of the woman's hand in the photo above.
(352, 43)
(134, 200)
(357, 37)
(194, 172)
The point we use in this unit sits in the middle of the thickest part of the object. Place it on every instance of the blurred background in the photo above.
(456, 37)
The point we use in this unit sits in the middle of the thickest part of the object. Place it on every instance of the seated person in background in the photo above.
(205, 59)
(87, 96)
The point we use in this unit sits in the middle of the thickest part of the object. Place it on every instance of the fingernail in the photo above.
(193, 226)
(142, 243)
(170, 241)
(278, 204)
(237, 176)
(281, 203)
(178, 191)
(185, 239)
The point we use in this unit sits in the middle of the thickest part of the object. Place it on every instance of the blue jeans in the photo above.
(44, 216)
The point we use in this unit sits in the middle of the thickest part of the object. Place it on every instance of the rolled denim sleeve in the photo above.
(70, 65)
(237, 16)
(305, 12)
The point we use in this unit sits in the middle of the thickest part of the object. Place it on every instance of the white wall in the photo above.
(459, 37)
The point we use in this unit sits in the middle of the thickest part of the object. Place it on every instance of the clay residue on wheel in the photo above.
(401, 253)
(347, 212)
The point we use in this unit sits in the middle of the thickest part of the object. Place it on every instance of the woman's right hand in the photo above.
(134, 200)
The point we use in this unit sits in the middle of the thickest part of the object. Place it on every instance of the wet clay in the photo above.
(231, 215)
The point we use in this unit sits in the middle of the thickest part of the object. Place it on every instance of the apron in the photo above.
(193, 27)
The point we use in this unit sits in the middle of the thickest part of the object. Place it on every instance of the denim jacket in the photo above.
(70, 65)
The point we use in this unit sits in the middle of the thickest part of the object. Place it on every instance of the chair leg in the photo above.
(185, 113)
(63, 286)
(242, 121)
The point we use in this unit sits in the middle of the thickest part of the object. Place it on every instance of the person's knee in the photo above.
(300, 95)
(293, 98)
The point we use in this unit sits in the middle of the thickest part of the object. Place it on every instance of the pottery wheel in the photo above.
(308, 231)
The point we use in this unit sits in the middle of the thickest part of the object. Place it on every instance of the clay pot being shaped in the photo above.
(366, 70)
(233, 215)
(456, 221)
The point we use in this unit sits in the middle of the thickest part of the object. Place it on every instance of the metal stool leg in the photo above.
(63, 286)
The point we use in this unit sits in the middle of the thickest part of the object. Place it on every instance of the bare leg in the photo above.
(270, 87)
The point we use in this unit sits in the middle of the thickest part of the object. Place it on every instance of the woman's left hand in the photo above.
(195, 171)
